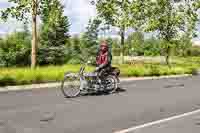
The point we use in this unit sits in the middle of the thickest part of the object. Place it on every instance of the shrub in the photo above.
(194, 51)
(15, 49)
(7, 80)
(154, 70)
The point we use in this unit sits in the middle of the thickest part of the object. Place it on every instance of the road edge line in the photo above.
(134, 128)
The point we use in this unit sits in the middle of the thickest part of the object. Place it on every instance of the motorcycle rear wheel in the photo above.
(111, 83)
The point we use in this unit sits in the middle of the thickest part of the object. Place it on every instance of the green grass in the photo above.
(19, 76)
(153, 70)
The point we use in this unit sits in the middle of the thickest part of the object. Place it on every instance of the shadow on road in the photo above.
(120, 90)
(102, 93)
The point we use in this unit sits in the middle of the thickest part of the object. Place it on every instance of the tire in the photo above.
(112, 83)
(70, 86)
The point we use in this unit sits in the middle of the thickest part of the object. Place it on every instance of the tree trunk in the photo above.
(34, 34)
(168, 55)
(7, 63)
(122, 35)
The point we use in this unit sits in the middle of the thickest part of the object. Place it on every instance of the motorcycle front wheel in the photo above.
(71, 85)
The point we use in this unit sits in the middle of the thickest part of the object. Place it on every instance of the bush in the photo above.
(15, 49)
(194, 51)
(152, 47)
(74, 61)
(7, 80)
(154, 70)
(52, 55)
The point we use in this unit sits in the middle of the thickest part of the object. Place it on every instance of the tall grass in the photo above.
(10, 76)
(19, 76)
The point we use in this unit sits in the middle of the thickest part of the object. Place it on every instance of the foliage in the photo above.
(135, 43)
(74, 50)
(55, 26)
(152, 47)
(15, 49)
(52, 55)
(171, 20)
(193, 51)
(183, 46)
(115, 12)
(54, 34)
(114, 45)
(123, 14)
(23, 9)
(76, 44)
(90, 39)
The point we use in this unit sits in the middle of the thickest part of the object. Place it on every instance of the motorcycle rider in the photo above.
(104, 60)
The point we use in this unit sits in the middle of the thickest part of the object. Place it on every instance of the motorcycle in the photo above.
(75, 83)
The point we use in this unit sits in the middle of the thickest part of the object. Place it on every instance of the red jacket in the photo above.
(103, 59)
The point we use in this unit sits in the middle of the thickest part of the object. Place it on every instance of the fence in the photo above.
(132, 59)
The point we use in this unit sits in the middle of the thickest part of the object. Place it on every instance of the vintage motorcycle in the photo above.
(74, 84)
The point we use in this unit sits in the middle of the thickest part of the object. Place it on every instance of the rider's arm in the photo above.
(97, 58)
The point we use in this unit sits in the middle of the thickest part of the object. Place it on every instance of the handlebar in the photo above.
(82, 69)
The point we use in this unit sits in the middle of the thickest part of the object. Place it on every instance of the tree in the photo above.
(54, 34)
(21, 10)
(74, 49)
(115, 45)
(171, 20)
(152, 47)
(183, 45)
(55, 27)
(7, 54)
(194, 18)
(90, 38)
(76, 44)
(123, 14)
(135, 43)
(15, 49)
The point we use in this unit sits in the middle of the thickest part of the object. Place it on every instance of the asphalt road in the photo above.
(188, 124)
(47, 111)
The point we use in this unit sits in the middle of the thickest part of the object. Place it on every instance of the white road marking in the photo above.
(158, 122)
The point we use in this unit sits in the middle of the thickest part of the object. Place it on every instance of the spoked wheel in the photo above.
(71, 85)
(111, 83)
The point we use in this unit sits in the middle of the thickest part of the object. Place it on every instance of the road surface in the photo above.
(142, 102)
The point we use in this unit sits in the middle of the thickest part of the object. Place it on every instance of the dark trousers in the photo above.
(109, 70)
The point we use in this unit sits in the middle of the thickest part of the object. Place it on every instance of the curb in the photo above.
(156, 77)
(58, 84)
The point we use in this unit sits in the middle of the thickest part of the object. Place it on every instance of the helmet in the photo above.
(104, 43)
(104, 46)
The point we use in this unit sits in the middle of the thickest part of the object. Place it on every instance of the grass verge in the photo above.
(20, 76)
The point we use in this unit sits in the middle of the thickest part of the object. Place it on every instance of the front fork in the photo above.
(84, 83)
